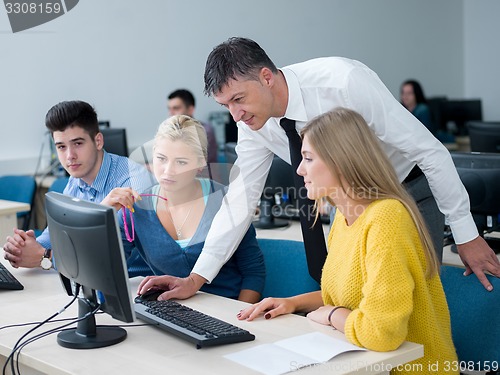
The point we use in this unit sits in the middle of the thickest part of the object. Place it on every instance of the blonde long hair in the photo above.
(343, 140)
(187, 130)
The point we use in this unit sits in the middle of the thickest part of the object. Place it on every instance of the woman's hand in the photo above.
(321, 315)
(270, 307)
(121, 197)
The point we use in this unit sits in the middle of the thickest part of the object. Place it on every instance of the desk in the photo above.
(8, 217)
(149, 350)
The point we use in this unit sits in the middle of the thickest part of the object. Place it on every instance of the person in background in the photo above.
(95, 176)
(182, 102)
(413, 99)
(380, 284)
(172, 219)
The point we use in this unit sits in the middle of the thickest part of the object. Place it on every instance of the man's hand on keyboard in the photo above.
(176, 287)
(22, 250)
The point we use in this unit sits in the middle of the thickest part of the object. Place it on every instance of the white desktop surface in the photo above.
(149, 350)
(8, 217)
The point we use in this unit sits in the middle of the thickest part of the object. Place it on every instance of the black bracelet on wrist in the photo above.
(331, 313)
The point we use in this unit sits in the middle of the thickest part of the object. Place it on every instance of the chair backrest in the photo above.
(484, 136)
(19, 189)
(59, 184)
(286, 268)
(475, 317)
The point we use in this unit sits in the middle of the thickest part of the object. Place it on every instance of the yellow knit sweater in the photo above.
(376, 268)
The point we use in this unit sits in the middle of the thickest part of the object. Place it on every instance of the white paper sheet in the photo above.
(290, 354)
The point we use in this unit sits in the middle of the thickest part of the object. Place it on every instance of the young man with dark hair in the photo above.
(241, 77)
(182, 102)
(96, 176)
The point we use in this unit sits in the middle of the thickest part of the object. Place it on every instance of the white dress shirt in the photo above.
(315, 87)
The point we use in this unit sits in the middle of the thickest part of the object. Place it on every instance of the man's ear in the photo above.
(99, 141)
(190, 111)
(266, 76)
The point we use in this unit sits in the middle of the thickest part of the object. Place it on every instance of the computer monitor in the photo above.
(88, 252)
(435, 105)
(104, 124)
(484, 136)
(480, 174)
(460, 112)
(115, 140)
(279, 183)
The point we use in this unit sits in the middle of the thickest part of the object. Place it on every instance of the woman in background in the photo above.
(380, 284)
(413, 99)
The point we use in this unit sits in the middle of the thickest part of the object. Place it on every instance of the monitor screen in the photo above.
(88, 253)
(460, 112)
(115, 141)
(480, 174)
(484, 136)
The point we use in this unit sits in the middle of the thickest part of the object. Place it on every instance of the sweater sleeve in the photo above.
(381, 321)
(250, 262)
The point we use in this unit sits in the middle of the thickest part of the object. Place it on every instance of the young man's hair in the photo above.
(346, 144)
(72, 113)
(185, 95)
(235, 58)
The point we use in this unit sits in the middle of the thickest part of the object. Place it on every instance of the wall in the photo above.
(124, 56)
(482, 55)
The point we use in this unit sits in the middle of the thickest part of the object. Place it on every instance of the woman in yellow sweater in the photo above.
(380, 283)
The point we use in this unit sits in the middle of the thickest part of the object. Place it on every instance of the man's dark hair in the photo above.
(72, 113)
(236, 57)
(185, 95)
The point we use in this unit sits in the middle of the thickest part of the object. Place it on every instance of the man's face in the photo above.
(177, 107)
(78, 153)
(250, 101)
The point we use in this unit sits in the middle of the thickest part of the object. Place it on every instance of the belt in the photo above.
(414, 174)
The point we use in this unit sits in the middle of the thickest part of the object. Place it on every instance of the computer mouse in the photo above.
(150, 295)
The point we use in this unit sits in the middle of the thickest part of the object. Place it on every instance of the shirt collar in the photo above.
(295, 109)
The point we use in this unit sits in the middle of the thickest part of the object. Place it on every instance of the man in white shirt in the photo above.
(241, 77)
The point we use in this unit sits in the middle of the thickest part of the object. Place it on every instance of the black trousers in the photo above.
(418, 188)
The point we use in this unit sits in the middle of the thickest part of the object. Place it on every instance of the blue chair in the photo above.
(19, 189)
(59, 184)
(475, 319)
(286, 268)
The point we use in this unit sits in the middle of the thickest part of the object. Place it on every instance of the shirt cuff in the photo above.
(207, 266)
(464, 230)
(45, 243)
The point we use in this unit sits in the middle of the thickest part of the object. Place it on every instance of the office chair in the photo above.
(286, 268)
(475, 319)
(484, 136)
(19, 189)
(59, 184)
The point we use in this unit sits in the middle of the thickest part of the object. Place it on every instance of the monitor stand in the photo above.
(266, 217)
(87, 335)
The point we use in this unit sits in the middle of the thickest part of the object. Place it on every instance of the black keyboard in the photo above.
(7, 280)
(191, 325)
